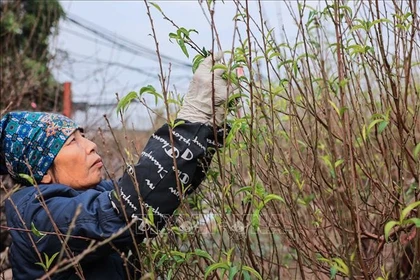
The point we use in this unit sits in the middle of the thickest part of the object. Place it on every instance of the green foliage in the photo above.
(25, 31)
(174, 124)
(199, 58)
(416, 151)
(156, 6)
(336, 265)
(403, 221)
(182, 37)
(323, 147)
(126, 100)
(28, 178)
(48, 261)
(35, 231)
(231, 269)
(29, 24)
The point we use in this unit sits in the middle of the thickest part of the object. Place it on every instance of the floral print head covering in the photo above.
(30, 141)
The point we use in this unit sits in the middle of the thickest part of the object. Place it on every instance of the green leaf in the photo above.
(378, 116)
(215, 266)
(342, 110)
(179, 254)
(325, 260)
(27, 178)
(382, 126)
(184, 31)
(181, 122)
(308, 199)
(327, 161)
(196, 62)
(408, 209)
(181, 43)
(43, 265)
(125, 101)
(295, 68)
(234, 98)
(50, 261)
(233, 270)
(373, 123)
(252, 271)
(335, 107)
(333, 271)
(156, 6)
(415, 221)
(192, 30)
(342, 267)
(35, 231)
(338, 163)
(172, 101)
(255, 220)
(336, 264)
(388, 228)
(417, 151)
(272, 197)
(229, 255)
(202, 254)
(364, 132)
(162, 260)
(381, 20)
(274, 54)
(114, 194)
(173, 36)
(244, 189)
(148, 88)
(219, 66)
(246, 275)
(150, 215)
(169, 274)
(347, 9)
(257, 58)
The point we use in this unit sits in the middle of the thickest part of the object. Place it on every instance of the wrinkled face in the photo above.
(77, 164)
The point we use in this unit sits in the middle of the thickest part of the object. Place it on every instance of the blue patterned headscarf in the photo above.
(30, 141)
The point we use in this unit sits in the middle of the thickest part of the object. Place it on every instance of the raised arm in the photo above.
(154, 176)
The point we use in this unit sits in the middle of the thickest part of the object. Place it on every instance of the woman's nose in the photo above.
(90, 146)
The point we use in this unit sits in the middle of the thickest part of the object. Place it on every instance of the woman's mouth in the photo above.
(98, 163)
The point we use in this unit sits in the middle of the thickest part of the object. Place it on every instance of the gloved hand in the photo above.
(197, 105)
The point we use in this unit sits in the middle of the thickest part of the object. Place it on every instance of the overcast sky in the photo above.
(91, 64)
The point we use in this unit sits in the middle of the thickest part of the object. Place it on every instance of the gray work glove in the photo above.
(197, 105)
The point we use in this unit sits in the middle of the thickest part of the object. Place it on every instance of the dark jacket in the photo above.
(103, 209)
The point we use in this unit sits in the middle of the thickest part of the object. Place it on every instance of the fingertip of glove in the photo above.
(218, 56)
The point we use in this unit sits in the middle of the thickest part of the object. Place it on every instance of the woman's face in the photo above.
(77, 164)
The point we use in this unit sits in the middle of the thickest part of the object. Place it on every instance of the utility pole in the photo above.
(67, 102)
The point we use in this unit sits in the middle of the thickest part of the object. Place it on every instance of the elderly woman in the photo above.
(66, 197)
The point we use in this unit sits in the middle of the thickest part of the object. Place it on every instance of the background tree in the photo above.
(26, 28)
(26, 81)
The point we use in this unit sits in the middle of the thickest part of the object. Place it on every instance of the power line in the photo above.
(122, 42)
(113, 35)
(147, 72)
(106, 38)
(92, 39)
(109, 63)
(86, 37)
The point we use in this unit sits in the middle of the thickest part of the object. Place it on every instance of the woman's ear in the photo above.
(47, 179)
